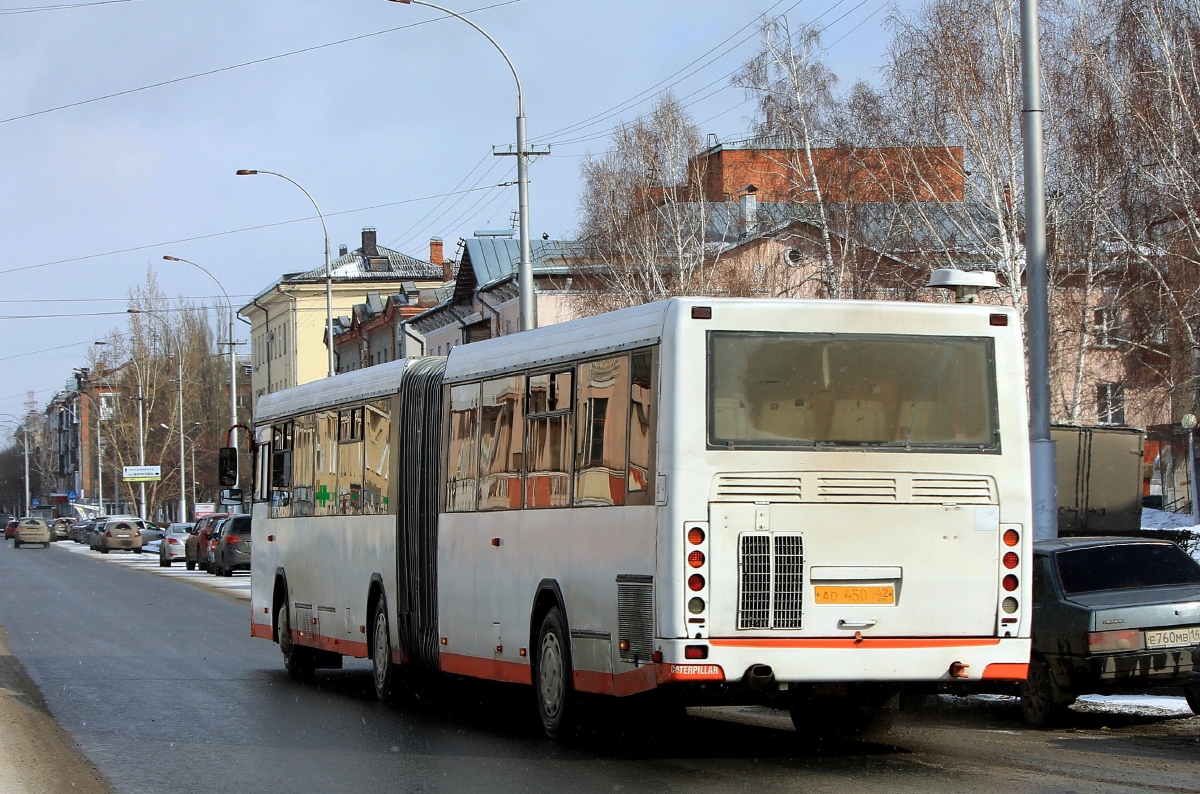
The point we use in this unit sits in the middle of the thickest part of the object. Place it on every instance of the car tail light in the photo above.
(1011, 559)
(695, 536)
(696, 559)
(1009, 583)
(108, 533)
(172, 541)
(1011, 537)
(696, 582)
(137, 533)
(232, 539)
(1124, 640)
(695, 651)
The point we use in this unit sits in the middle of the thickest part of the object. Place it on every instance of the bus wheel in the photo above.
(552, 677)
(381, 652)
(296, 658)
(1041, 702)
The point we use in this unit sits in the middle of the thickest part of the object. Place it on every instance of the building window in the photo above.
(1105, 327)
(1110, 404)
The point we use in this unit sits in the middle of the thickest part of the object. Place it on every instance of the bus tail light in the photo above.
(1124, 640)
(1011, 537)
(695, 651)
(695, 536)
(696, 582)
(696, 559)
(1011, 559)
(1009, 583)
(696, 605)
(1009, 605)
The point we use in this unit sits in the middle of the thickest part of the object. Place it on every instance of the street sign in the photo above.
(72, 495)
(204, 508)
(142, 473)
(37, 502)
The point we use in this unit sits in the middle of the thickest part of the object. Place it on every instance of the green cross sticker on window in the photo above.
(323, 495)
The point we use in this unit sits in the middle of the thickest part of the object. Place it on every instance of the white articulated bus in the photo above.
(797, 503)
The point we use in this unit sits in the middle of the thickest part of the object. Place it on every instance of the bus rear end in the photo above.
(850, 510)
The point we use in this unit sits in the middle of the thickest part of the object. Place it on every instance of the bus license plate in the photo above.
(1169, 638)
(855, 594)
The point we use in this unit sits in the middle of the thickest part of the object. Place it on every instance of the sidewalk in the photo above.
(37, 756)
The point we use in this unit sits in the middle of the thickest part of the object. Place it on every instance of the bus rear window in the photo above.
(804, 390)
(1125, 566)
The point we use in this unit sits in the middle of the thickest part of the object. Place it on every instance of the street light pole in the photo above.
(1043, 467)
(328, 271)
(527, 303)
(232, 363)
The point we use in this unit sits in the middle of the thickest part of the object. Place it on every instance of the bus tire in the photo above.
(296, 658)
(382, 669)
(555, 696)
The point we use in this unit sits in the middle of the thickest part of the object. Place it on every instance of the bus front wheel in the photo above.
(382, 670)
(552, 676)
(296, 658)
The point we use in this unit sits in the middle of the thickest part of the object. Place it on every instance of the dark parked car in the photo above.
(232, 552)
(196, 548)
(1109, 614)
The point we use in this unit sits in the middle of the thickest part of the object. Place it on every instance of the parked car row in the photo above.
(218, 543)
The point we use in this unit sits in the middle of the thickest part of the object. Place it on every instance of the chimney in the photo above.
(748, 206)
(436, 257)
(342, 249)
(369, 247)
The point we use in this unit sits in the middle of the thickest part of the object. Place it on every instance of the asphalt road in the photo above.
(161, 685)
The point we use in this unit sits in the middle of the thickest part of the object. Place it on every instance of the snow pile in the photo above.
(1161, 519)
(1139, 705)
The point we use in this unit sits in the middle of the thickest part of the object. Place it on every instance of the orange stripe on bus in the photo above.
(493, 669)
(261, 630)
(1006, 671)
(851, 642)
(621, 685)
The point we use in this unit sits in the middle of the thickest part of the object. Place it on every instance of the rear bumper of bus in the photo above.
(794, 660)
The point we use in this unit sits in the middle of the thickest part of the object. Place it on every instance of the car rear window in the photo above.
(1125, 566)
(241, 526)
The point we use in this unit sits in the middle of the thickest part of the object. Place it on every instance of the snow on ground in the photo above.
(1160, 706)
(1161, 519)
(237, 585)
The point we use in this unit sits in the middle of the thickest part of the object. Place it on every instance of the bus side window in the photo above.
(641, 429)
(501, 443)
(377, 444)
(602, 432)
(462, 451)
(548, 441)
(325, 461)
(281, 470)
(302, 465)
(350, 462)
(262, 464)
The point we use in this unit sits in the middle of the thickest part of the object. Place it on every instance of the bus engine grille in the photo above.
(635, 618)
(770, 581)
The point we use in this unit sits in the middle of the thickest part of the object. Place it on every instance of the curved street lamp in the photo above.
(525, 268)
(328, 272)
(232, 362)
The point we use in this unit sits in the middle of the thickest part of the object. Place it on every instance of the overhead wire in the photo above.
(255, 62)
(228, 232)
(58, 7)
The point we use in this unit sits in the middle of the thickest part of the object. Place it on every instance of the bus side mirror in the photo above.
(227, 466)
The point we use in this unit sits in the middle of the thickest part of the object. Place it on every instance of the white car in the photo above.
(173, 544)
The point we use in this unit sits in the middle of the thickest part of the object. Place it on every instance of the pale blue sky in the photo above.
(385, 119)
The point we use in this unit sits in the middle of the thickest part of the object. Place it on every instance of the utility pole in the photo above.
(1043, 468)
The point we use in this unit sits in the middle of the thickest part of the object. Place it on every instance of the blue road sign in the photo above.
(72, 495)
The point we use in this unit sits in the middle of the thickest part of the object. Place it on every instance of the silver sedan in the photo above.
(172, 546)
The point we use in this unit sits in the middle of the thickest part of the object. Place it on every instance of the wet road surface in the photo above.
(163, 688)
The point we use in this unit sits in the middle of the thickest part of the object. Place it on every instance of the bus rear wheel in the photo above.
(297, 659)
(382, 670)
(555, 696)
